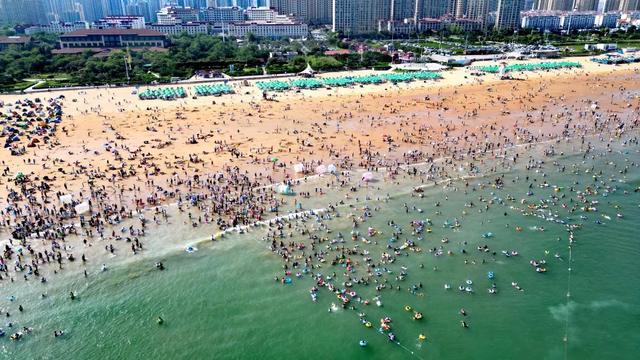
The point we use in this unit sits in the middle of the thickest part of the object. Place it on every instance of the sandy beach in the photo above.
(242, 130)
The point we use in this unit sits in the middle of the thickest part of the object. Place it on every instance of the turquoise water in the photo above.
(222, 302)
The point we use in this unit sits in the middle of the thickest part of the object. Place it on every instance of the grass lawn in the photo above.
(55, 84)
(19, 86)
(51, 76)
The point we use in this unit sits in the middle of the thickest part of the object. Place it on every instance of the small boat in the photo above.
(469, 282)
(447, 286)
(422, 337)
(487, 235)
(490, 275)
(363, 343)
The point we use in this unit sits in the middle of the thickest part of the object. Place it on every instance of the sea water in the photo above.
(221, 301)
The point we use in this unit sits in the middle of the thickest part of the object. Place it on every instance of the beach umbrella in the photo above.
(332, 169)
(368, 176)
(274, 159)
(321, 169)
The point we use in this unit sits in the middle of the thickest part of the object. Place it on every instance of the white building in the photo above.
(176, 15)
(57, 28)
(222, 15)
(577, 21)
(261, 14)
(397, 27)
(608, 20)
(279, 29)
(428, 24)
(540, 20)
(189, 28)
(119, 22)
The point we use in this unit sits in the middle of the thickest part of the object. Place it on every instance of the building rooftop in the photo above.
(14, 39)
(179, 25)
(140, 32)
(337, 52)
(266, 22)
(71, 51)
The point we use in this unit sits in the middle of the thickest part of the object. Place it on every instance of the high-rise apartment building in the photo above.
(359, 16)
(402, 9)
(609, 5)
(433, 8)
(585, 5)
(92, 9)
(629, 5)
(460, 9)
(320, 12)
(113, 7)
(559, 5)
(13, 12)
(478, 10)
(297, 8)
(508, 14)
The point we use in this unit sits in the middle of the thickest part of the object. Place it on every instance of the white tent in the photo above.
(66, 199)
(368, 176)
(82, 208)
(299, 168)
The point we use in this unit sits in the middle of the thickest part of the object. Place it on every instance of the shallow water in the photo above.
(222, 302)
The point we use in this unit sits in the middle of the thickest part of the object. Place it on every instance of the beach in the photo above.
(454, 157)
